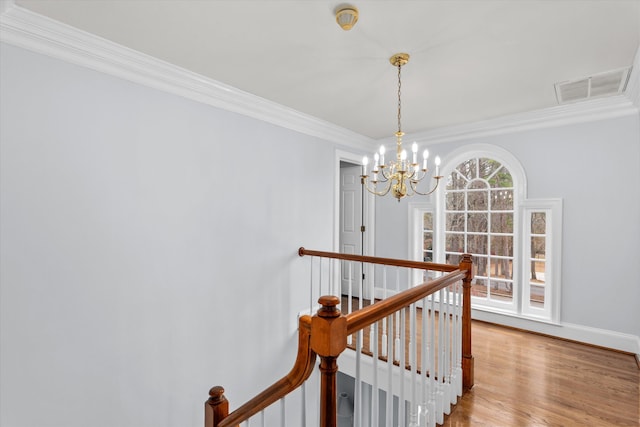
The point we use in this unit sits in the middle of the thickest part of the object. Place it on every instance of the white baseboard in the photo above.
(585, 334)
(580, 333)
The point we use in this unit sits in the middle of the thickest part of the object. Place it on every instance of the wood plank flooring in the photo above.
(525, 379)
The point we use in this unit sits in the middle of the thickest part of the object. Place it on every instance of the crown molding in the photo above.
(633, 85)
(31, 31)
(582, 112)
(28, 30)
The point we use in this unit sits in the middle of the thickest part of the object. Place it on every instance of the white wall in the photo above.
(594, 167)
(141, 261)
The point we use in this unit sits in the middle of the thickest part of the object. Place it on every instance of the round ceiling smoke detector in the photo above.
(347, 17)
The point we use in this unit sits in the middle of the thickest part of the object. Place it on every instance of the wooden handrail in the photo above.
(302, 369)
(325, 335)
(368, 315)
(378, 260)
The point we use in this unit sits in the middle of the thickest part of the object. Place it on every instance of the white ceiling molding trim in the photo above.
(28, 30)
(633, 86)
(580, 112)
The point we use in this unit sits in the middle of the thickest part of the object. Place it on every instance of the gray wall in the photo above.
(141, 261)
(595, 168)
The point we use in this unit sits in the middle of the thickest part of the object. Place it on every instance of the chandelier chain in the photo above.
(400, 176)
(399, 100)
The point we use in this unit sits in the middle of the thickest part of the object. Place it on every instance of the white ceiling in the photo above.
(470, 60)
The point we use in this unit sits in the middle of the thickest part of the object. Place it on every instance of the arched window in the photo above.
(515, 242)
(479, 219)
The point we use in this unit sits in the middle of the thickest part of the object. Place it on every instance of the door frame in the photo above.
(368, 209)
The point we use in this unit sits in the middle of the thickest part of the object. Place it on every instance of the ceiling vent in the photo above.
(603, 84)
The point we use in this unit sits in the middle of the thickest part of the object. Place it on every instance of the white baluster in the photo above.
(311, 288)
(432, 363)
(413, 361)
(372, 301)
(350, 297)
(440, 373)
(283, 419)
(402, 370)
(357, 392)
(447, 352)
(374, 386)
(396, 353)
(384, 321)
(389, 421)
(459, 338)
(303, 412)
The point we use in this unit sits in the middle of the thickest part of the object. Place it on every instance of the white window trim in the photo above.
(416, 226)
(523, 206)
(553, 257)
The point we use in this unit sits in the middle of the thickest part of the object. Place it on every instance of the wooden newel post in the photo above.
(328, 340)
(467, 357)
(216, 408)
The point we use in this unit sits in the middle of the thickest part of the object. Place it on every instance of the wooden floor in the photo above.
(523, 379)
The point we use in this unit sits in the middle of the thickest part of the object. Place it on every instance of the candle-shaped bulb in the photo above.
(365, 162)
(403, 155)
(382, 155)
(425, 156)
(376, 160)
(414, 149)
(437, 161)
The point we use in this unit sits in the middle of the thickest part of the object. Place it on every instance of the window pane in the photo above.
(477, 243)
(501, 179)
(502, 200)
(455, 201)
(502, 222)
(480, 266)
(538, 247)
(454, 243)
(477, 184)
(455, 181)
(502, 245)
(538, 223)
(537, 272)
(427, 221)
(501, 268)
(452, 259)
(427, 241)
(427, 256)
(487, 167)
(455, 222)
(477, 222)
(536, 297)
(468, 169)
(501, 290)
(479, 288)
(477, 201)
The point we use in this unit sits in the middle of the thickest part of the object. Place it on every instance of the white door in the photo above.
(350, 222)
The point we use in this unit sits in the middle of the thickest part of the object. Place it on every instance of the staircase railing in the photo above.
(325, 334)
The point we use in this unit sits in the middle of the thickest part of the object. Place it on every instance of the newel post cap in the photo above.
(329, 328)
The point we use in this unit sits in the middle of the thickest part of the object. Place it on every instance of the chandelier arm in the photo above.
(413, 186)
(416, 175)
(373, 191)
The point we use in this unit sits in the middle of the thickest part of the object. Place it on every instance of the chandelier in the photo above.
(400, 177)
